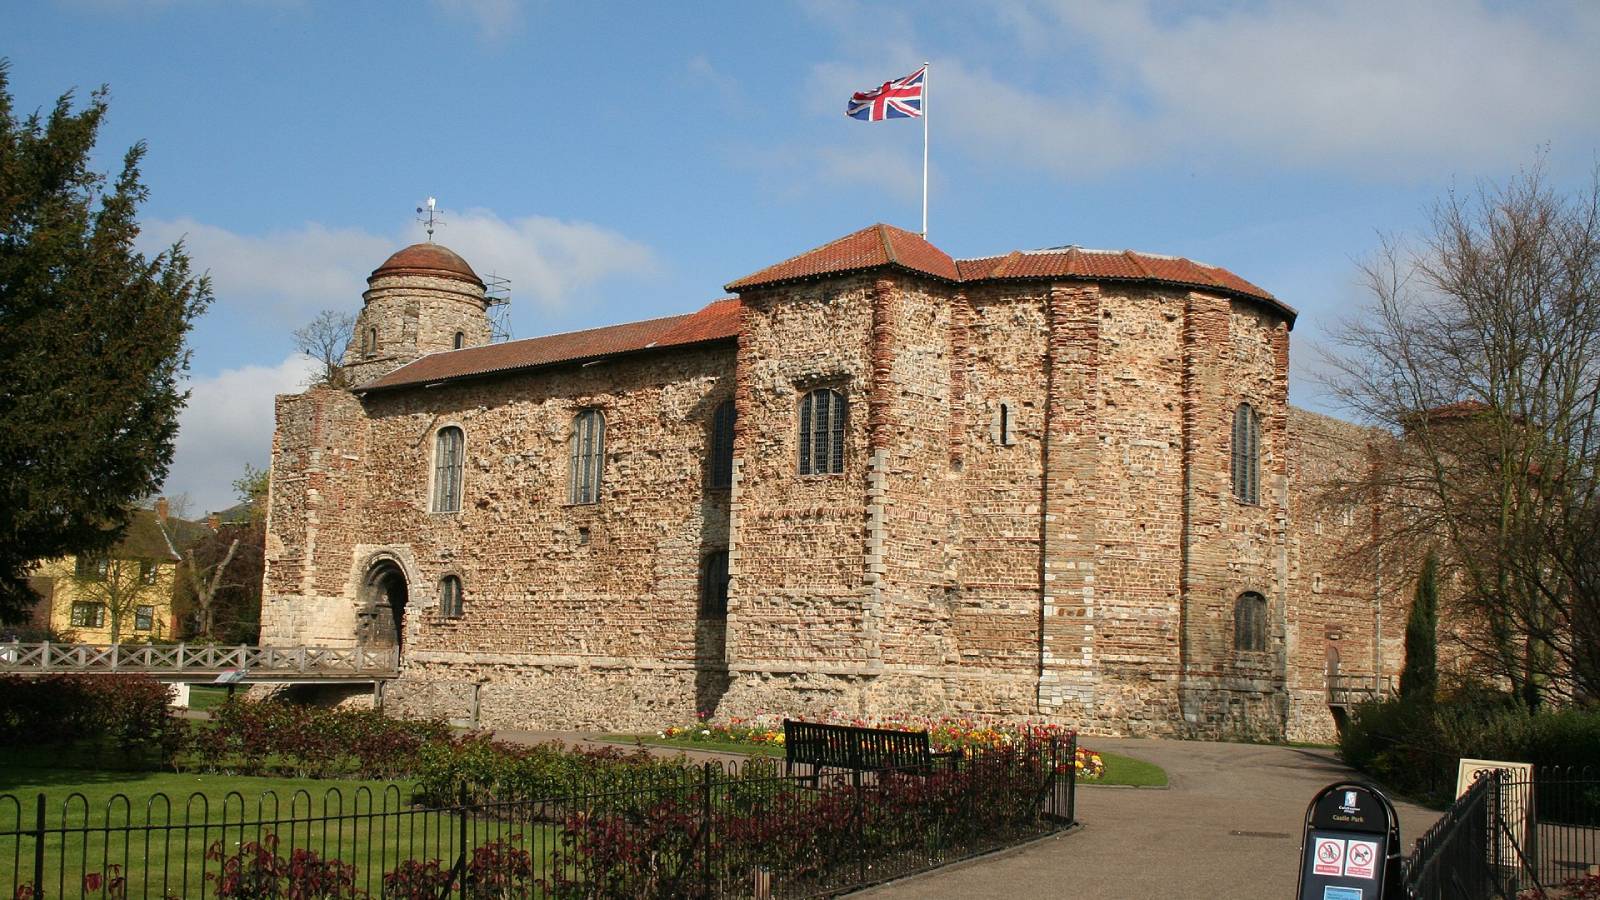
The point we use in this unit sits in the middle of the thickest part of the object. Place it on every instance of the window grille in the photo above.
(450, 596)
(722, 445)
(448, 462)
(822, 422)
(1250, 622)
(143, 618)
(1247, 454)
(588, 455)
(89, 615)
(714, 585)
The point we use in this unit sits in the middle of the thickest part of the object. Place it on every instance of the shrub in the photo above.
(309, 742)
(256, 870)
(130, 713)
(1414, 746)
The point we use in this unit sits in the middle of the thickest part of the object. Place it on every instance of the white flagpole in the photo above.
(925, 150)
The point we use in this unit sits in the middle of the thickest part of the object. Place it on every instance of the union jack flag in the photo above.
(901, 99)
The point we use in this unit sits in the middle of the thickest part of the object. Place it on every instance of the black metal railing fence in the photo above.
(717, 830)
(1508, 834)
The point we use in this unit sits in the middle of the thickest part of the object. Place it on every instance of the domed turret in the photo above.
(423, 299)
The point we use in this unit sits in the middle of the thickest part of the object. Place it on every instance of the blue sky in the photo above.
(620, 161)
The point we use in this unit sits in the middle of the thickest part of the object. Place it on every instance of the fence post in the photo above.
(461, 837)
(1072, 780)
(861, 842)
(705, 829)
(38, 850)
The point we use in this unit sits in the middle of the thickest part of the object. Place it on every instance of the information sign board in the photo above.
(1351, 846)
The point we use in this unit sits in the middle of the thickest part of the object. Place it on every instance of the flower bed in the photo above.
(944, 734)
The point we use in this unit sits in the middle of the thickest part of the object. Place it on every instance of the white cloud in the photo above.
(283, 278)
(1377, 88)
(228, 423)
(494, 18)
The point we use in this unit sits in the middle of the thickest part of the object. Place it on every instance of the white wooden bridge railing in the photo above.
(179, 659)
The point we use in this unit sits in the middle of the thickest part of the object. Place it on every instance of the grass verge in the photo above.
(1129, 772)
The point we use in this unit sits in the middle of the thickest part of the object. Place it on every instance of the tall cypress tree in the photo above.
(91, 342)
(1420, 678)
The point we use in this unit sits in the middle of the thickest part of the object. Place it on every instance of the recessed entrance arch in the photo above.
(383, 607)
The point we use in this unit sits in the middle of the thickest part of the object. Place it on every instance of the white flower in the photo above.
(706, 732)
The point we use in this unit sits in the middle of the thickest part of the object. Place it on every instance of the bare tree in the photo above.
(324, 339)
(1480, 354)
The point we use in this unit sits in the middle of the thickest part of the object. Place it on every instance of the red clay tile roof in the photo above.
(427, 259)
(884, 245)
(870, 248)
(717, 321)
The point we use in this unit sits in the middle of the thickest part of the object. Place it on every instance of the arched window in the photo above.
(1247, 454)
(450, 596)
(588, 455)
(721, 445)
(369, 341)
(447, 465)
(461, 340)
(714, 585)
(822, 421)
(1250, 622)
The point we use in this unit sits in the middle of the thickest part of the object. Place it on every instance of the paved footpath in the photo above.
(1228, 826)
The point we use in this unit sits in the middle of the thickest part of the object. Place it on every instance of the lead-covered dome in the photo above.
(427, 259)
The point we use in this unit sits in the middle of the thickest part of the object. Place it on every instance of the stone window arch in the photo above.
(1250, 623)
(369, 341)
(823, 416)
(450, 602)
(449, 462)
(721, 445)
(1247, 454)
(459, 341)
(588, 456)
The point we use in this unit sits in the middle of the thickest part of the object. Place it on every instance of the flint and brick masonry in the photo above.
(998, 487)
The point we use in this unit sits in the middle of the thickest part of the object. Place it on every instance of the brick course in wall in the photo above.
(1080, 563)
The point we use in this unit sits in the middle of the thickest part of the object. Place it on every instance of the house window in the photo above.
(1250, 622)
(1247, 454)
(588, 455)
(448, 461)
(147, 571)
(722, 445)
(822, 420)
(93, 568)
(714, 585)
(450, 596)
(88, 615)
(461, 340)
(144, 617)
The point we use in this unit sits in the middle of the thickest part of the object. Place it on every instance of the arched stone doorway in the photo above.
(382, 620)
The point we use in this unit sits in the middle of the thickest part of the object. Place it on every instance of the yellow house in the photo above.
(124, 595)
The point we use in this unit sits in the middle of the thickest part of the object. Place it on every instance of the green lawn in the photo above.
(1125, 770)
(92, 808)
(204, 697)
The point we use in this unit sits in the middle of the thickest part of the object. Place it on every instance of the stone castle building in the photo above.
(876, 480)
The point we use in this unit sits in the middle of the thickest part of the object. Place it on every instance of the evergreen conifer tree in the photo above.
(91, 342)
(1419, 680)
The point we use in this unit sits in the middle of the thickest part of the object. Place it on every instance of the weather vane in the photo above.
(430, 216)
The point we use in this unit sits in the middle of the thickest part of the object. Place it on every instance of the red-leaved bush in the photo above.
(130, 712)
(249, 738)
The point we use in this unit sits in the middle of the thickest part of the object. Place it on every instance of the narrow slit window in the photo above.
(1247, 454)
(370, 342)
(714, 585)
(450, 596)
(722, 445)
(460, 340)
(448, 463)
(588, 455)
(822, 423)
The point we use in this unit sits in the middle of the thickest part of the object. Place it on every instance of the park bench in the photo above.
(823, 746)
